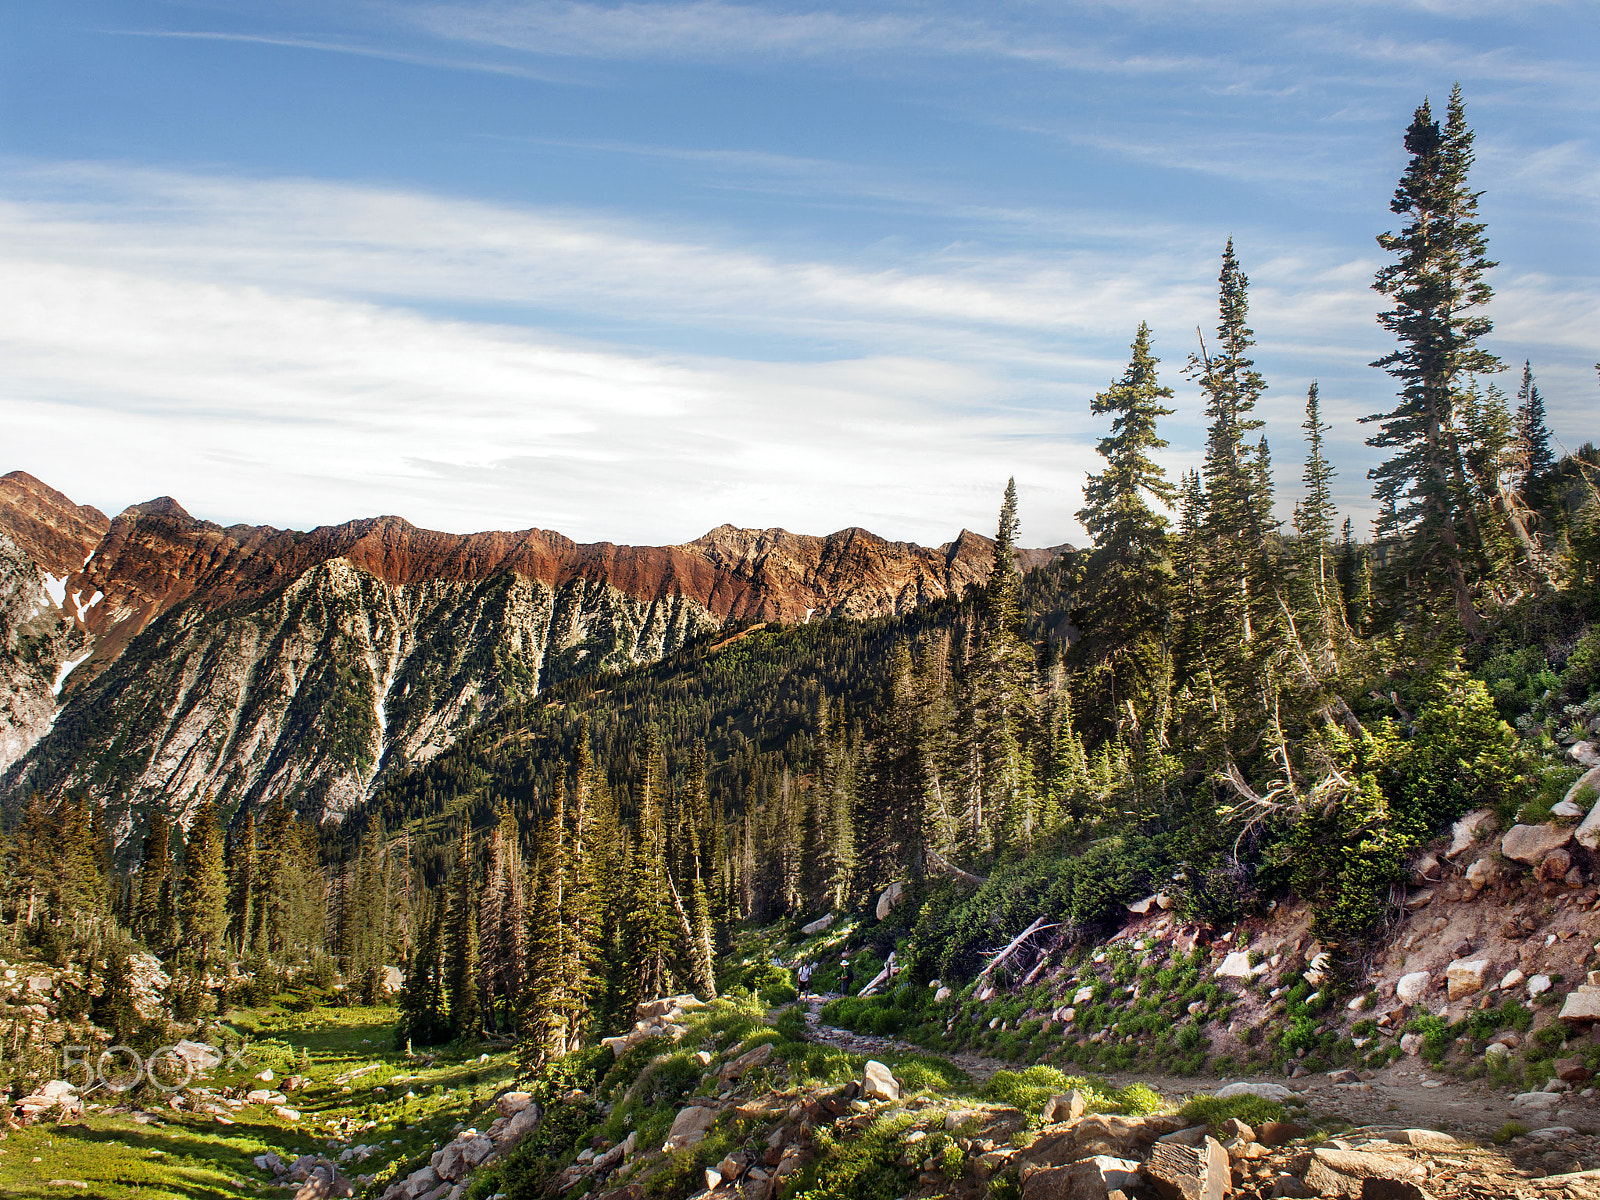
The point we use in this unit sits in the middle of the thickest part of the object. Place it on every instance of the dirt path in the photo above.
(1405, 1095)
(978, 1067)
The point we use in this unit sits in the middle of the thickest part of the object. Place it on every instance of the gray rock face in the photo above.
(331, 682)
(38, 639)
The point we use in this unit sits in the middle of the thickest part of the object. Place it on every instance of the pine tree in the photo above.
(242, 885)
(1122, 607)
(554, 973)
(203, 897)
(461, 956)
(502, 921)
(1314, 517)
(646, 931)
(1533, 437)
(1438, 289)
(424, 1017)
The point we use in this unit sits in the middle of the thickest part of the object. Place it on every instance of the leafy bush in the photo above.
(1252, 1110)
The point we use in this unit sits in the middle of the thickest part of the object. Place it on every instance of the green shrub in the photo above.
(1252, 1110)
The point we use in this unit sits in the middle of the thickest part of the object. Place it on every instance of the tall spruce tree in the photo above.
(461, 956)
(203, 898)
(1533, 436)
(1314, 518)
(1438, 288)
(1123, 604)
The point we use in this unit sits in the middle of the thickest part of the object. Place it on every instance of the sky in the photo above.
(631, 271)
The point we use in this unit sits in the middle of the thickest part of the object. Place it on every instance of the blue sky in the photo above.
(630, 271)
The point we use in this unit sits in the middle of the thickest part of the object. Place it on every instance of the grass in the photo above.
(190, 1156)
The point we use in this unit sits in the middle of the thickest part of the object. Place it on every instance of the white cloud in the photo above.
(296, 352)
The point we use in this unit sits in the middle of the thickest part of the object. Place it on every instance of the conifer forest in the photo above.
(1192, 801)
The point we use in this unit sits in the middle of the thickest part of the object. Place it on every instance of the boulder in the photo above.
(878, 1082)
(1267, 1091)
(1585, 754)
(1411, 988)
(509, 1104)
(1181, 1172)
(197, 1056)
(942, 994)
(1483, 872)
(1343, 1172)
(518, 1127)
(1083, 995)
(1538, 986)
(1583, 1004)
(1511, 978)
(1096, 1178)
(689, 1128)
(1140, 907)
(817, 926)
(1279, 1133)
(1572, 1070)
(1587, 834)
(891, 898)
(1424, 1139)
(1465, 977)
(1528, 844)
(390, 981)
(284, 1113)
(748, 1061)
(1064, 1108)
(1235, 966)
(1554, 866)
(1465, 831)
(1537, 1100)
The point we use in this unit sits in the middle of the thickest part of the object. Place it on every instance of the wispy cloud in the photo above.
(359, 49)
(301, 351)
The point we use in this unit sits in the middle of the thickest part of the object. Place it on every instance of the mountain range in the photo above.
(154, 658)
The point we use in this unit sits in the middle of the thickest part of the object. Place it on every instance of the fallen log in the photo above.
(1015, 942)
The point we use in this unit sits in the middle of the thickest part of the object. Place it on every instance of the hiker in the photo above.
(804, 975)
(847, 976)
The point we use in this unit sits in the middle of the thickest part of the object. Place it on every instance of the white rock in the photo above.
(1528, 844)
(890, 900)
(689, 1128)
(1585, 754)
(877, 1082)
(1587, 834)
(1538, 986)
(1512, 978)
(1411, 988)
(1497, 1052)
(1465, 976)
(1083, 995)
(1483, 872)
(942, 995)
(1140, 907)
(285, 1114)
(1410, 1043)
(265, 1076)
(1537, 1100)
(509, 1104)
(817, 926)
(1465, 831)
(1235, 966)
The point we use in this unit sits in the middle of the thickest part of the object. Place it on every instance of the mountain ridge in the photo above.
(271, 661)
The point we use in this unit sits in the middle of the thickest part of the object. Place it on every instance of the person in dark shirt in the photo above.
(847, 976)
